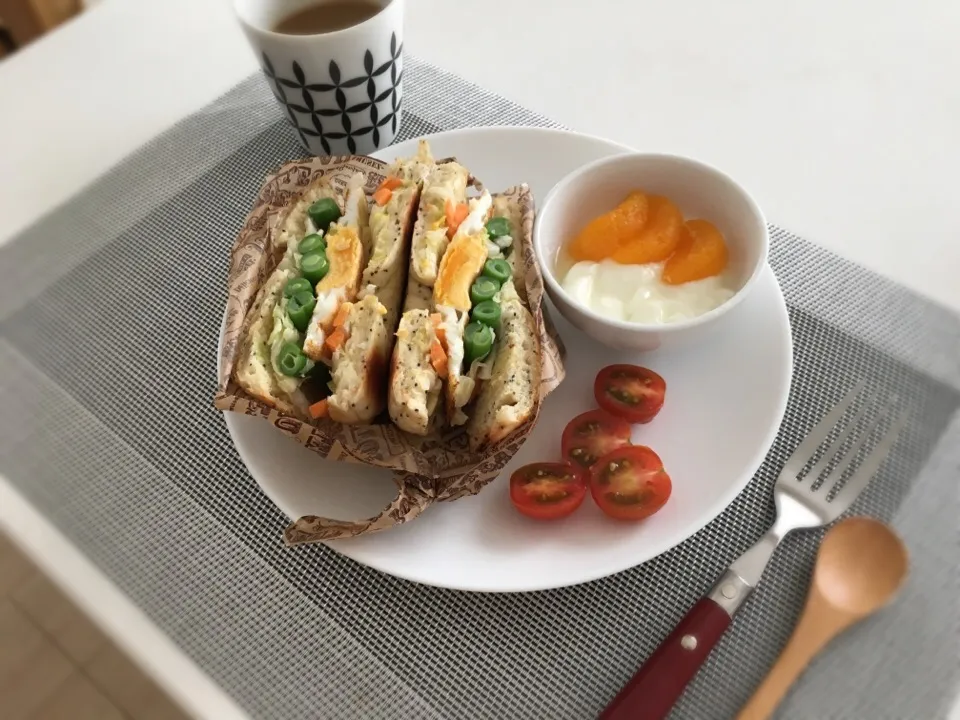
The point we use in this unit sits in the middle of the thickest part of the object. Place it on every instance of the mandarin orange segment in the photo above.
(659, 237)
(701, 253)
(604, 234)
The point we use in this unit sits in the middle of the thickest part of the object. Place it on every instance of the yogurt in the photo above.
(635, 293)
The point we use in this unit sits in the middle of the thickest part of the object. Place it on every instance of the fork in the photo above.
(801, 502)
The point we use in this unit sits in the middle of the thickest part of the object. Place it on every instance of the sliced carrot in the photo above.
(448, 210)
(382, 196)
(438, 357)
(437, 320)
(318, 409)
(391, 183)
(456, 214)
(342, 312)
(335, 339)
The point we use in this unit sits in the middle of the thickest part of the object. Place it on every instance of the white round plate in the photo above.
(724, 404)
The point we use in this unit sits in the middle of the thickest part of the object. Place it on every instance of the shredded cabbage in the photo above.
(354, 196)
(437, 193)
(482, 369)
(453, 331)
(427, 255)
(464, 391)
(291, 259)
(380, 232)
(283, 332)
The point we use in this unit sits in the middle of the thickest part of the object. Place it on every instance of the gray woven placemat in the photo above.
(109, 312)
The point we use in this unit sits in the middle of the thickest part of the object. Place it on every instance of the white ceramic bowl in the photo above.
(699, 190)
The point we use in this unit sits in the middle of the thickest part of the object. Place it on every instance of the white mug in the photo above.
(341, 90)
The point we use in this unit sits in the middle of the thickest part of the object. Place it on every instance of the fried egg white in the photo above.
(327, 304)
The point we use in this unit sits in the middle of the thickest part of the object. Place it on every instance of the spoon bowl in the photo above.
(861, 565)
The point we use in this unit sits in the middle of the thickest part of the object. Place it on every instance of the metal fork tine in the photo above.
(808, 447)
(871, 463)
(844, 462)
(836, 446)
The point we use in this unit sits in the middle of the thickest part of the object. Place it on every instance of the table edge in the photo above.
(113, 611)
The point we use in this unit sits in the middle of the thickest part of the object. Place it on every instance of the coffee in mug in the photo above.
(327, 17)
(335, 67)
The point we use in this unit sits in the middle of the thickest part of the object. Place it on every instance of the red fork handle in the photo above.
(660, 681)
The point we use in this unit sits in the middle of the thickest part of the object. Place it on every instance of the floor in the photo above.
(55, 664)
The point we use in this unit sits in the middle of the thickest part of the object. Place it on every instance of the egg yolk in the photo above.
(701, 253)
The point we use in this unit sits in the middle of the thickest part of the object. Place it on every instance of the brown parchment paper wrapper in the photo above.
(435, 468)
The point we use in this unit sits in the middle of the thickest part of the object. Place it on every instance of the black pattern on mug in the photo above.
(297, 97)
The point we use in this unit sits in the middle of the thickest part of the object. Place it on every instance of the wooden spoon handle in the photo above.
(661, 679)
(818, 624)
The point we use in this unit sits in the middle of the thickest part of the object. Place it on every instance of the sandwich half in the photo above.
(509, 378)
(457, 337)
(271, 364)
(364, 342)
(418, 367)
(493, 354)
(315, 343)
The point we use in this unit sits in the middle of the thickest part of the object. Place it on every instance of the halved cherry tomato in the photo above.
(630, 483)
(631, 392)
(547, 491)
(591, 435)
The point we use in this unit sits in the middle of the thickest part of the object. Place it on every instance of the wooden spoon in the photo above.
(860, 567)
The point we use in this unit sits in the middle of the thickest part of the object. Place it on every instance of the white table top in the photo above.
(839, 118)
